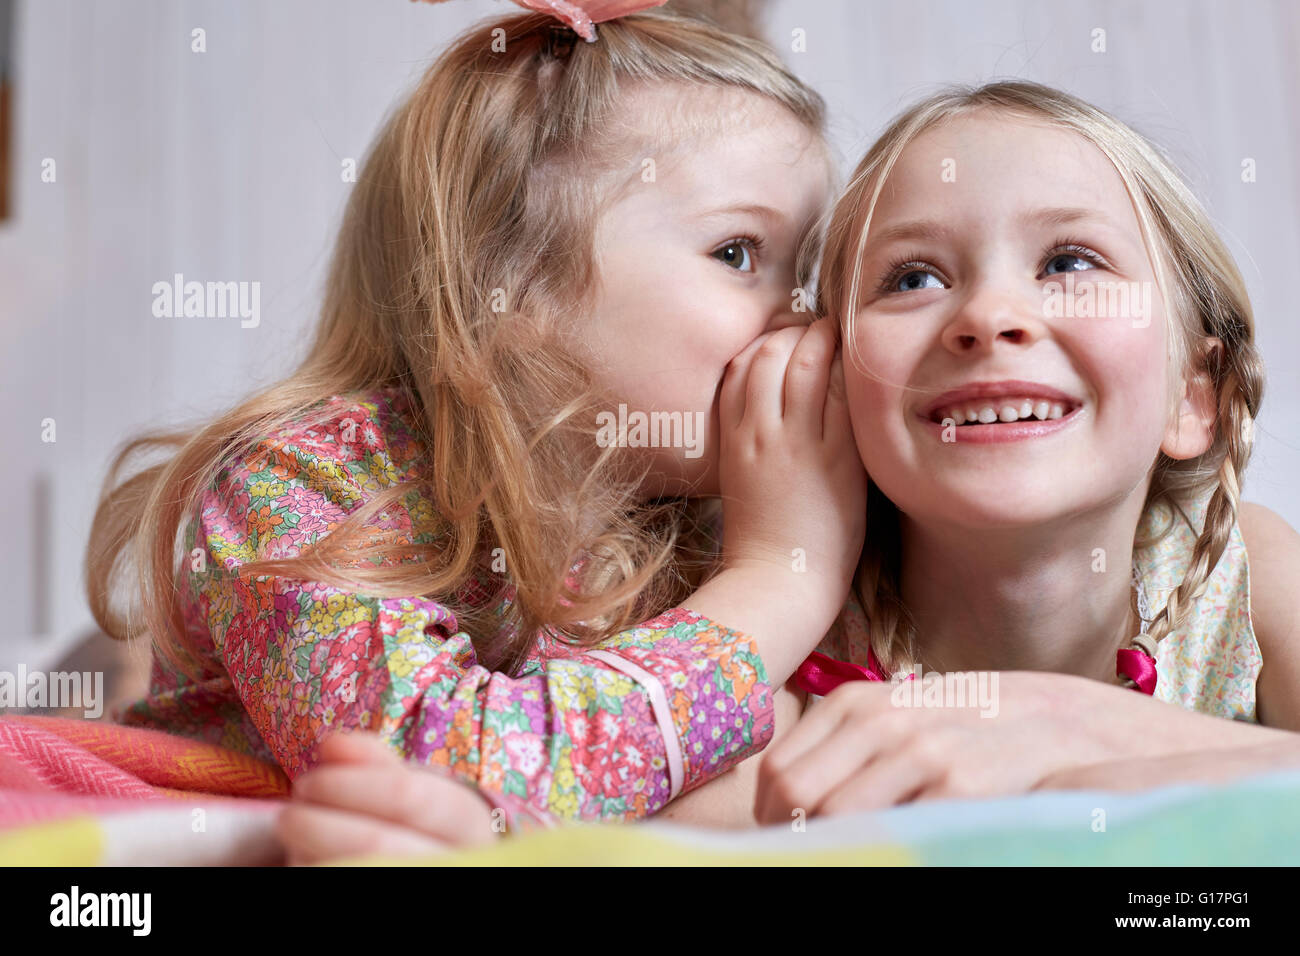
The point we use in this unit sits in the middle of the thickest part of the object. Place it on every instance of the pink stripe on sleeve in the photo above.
(659, 701)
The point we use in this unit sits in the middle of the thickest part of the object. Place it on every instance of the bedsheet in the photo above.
(80, 793)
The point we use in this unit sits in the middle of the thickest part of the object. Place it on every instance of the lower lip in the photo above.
(995, 433)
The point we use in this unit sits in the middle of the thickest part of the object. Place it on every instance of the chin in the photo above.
(977, 509)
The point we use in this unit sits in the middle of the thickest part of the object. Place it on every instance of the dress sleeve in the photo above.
(611, 733)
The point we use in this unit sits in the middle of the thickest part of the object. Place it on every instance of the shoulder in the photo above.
(308, 472)
(348, 438)
(354, 427)
(1273, 551)
(1273, 547)
(1256, 520)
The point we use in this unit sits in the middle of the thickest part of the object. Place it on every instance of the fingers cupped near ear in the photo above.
(835, 420)
(735, 384)
(316, 835)
(807, 375)
(765, 392)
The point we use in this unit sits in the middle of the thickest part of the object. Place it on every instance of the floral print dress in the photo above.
(611, 733)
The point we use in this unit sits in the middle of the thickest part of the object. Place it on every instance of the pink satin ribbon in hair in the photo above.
(1138, 667)
(582, 15)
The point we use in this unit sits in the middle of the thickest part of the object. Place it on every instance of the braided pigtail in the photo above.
(891, 630)
(1239, 390)
(1206, 305)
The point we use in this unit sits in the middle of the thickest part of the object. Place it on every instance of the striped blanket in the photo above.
(78, 792)
(84, 793)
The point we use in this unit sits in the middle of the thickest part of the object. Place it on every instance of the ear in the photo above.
(1191, 431)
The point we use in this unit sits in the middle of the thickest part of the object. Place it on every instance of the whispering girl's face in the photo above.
(698, 258)
(1006, 363)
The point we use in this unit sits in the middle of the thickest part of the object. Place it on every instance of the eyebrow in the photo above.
(933, 230)
(1062, 216)
(773, 216)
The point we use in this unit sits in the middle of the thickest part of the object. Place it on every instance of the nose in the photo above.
(990, 315)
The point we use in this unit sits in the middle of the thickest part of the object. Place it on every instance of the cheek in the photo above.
(679, 365)
(875, 401)
(1128, 368)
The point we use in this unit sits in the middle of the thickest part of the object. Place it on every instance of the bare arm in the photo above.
(1273, 549)
(1200, 766)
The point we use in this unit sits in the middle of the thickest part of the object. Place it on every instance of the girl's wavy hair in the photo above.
(1198, 280)
(466, 244)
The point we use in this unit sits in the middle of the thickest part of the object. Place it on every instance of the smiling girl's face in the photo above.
(992, 246)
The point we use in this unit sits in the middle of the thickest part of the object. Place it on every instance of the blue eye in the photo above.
(917, 279)
(1070, 256)
(909, 274)
(1069, 262)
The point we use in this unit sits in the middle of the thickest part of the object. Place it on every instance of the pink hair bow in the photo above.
(582, 15)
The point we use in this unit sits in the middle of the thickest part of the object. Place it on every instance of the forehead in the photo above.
(705, 139)
(657, 111)
(1001, 163)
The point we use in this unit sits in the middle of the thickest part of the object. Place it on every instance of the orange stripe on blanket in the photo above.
(76, 756)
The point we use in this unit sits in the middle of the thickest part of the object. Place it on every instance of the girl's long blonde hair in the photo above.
(466, 244)
(1199, 282)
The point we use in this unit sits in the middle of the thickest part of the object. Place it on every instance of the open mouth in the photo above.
(1003, 411)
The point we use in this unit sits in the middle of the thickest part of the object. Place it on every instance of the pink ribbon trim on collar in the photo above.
(820, 674)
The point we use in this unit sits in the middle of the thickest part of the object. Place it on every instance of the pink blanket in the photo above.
(155, 797)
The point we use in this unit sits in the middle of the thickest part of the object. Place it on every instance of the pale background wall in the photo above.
(225, 166)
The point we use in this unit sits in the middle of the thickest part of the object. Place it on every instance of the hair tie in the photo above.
(581, 16)
(1136, 664)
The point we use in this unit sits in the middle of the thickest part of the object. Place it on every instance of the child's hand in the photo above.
(363, 799)
(860, 750)
(793, 487)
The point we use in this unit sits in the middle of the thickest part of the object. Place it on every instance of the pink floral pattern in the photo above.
(572, 736)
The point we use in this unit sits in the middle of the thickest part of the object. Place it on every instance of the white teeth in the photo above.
(1012, 411)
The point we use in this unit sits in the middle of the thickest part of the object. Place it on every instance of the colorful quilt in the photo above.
(87, 794)
(78, 792)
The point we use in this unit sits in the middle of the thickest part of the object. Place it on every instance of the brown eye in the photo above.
(738, 254)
